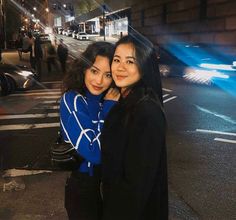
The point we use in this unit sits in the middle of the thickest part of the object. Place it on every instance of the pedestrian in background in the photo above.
(62, 53)
(133, 142)
(83, 108)
(51, 57)
(38, 54)
(0, 52)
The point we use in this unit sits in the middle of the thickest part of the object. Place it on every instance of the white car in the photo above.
(82, 36)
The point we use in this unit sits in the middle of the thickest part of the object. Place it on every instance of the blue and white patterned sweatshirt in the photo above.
(81, 119)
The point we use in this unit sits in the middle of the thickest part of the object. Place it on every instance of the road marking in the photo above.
(48, 97)
(47, 107)
(169, 99)
(52, 82)
(50, 102)
(167, 90)
(49, 115)
(165, 95)
(216, 132)
(41, 90)
(225, 140)
(28, 126)
(223, 117)
(36, 94)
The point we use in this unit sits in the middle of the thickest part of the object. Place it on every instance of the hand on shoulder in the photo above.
(112, 94)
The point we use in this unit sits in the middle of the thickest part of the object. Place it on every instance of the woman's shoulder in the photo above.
(73, 98)
(148, 103)
(148, 96)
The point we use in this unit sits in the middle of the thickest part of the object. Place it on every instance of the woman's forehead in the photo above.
(126, 49)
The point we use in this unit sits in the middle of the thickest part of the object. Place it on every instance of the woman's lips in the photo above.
(119, 77)
(97, 88)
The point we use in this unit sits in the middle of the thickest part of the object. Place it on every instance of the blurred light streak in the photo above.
(217, 66)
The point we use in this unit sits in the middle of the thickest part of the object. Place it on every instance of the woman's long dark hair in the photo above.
(74, 79)
(147, 61)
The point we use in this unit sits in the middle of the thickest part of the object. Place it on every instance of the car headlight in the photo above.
(25, 73)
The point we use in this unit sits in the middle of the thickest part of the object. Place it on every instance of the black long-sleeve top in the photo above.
(134, 159)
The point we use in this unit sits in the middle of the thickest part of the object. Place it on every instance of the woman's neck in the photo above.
(125, 92)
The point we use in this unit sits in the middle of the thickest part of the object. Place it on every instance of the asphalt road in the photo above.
(201, 141)
(201, 148)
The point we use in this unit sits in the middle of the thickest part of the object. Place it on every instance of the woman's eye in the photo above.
(116, 60)
(108, 75)
(130, 61)
(93, 71)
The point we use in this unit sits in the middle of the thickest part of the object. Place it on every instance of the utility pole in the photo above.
(3, 22)
(103, 22)
(47, 13)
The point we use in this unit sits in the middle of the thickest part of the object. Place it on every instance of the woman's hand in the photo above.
(112, 94)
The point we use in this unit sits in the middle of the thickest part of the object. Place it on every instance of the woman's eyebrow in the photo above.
(127, 57)
(95, 67)
(130, 57)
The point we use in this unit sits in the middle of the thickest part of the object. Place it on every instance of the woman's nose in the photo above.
(99, 79)
(121, 66)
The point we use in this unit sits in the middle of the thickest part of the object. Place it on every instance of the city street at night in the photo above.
(201, 142)
(193, 45)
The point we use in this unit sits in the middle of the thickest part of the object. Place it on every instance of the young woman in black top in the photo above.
(133, 137)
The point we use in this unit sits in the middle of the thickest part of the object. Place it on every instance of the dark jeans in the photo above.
(82, 196)
(52, 61)
(63, 65)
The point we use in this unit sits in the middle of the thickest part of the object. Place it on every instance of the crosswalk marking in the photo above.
(28, 126)
(169, 99)
(36, 94)
(167, 90)
(219, 133)
(50, 102)
(225, 140)
(48, 99)
(216, 132)
(52, 82)
(48, 115)
(47, 107)
(42, 90)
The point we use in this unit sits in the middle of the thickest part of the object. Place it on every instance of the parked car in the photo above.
(18, 77)
(45, 38)
(203, 64)
(82, 36)
(69, 32)
(4, 85)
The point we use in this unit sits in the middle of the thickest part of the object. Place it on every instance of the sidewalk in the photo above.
(39, 195)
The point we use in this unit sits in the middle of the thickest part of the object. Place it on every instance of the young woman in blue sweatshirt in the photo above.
(84, 105)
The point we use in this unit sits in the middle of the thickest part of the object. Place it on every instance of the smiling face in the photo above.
(98, 76)
(124, 67)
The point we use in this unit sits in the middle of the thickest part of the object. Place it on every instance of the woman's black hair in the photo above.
(147, 61)
(74, 79)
